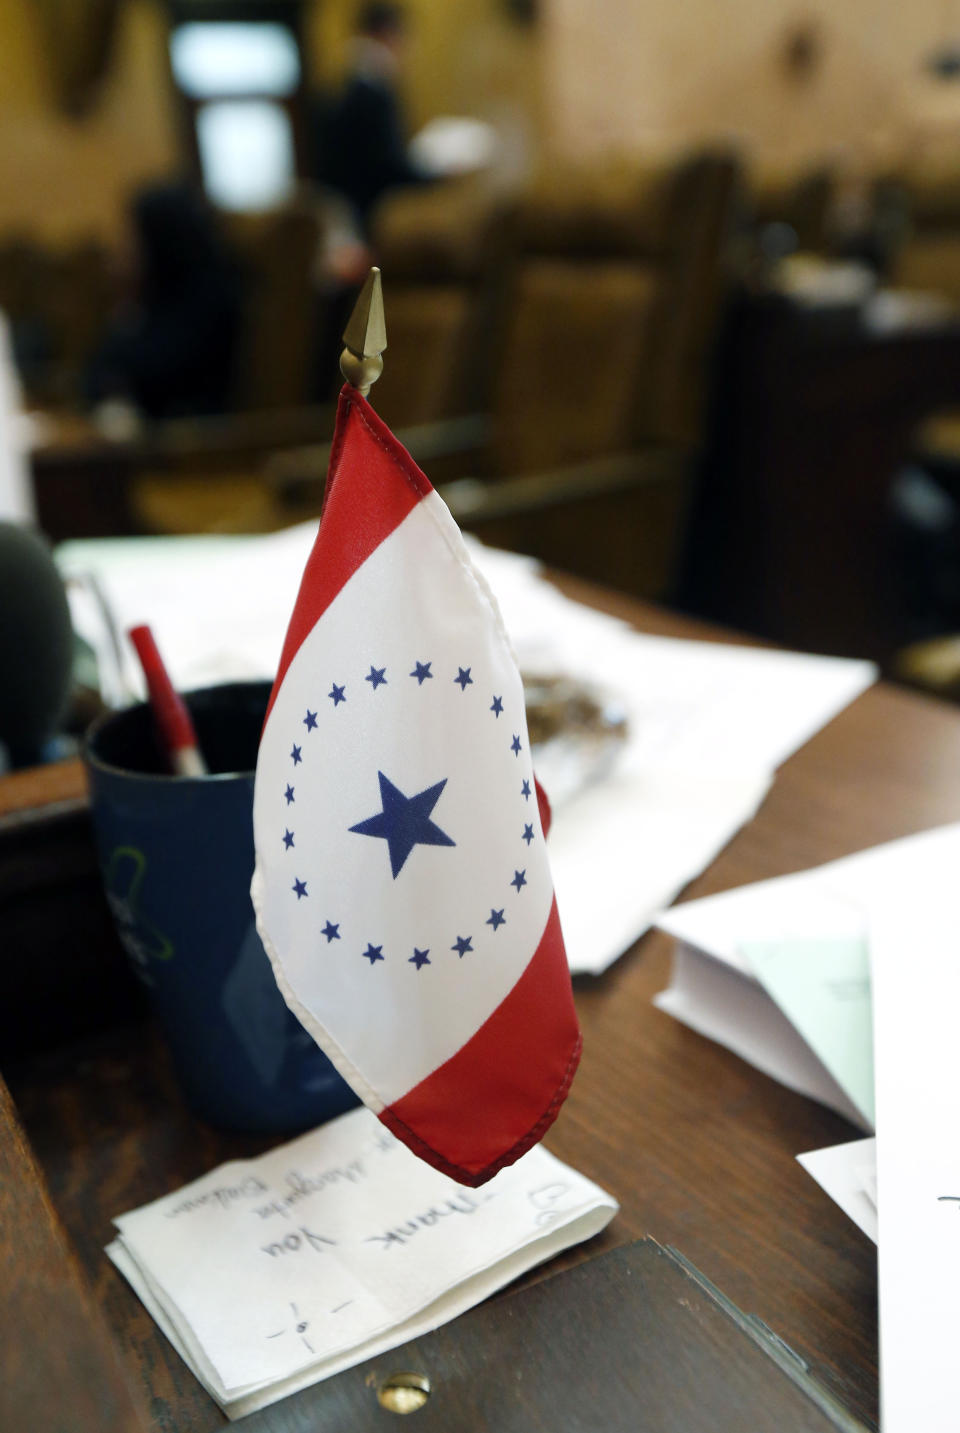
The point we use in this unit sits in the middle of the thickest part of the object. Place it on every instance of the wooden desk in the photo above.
(697, 1146)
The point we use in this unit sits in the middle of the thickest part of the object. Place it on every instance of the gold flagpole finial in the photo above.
(365, 337)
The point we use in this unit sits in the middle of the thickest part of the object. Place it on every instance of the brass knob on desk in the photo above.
(404, 1392)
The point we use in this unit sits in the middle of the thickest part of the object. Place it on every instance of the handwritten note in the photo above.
(270, 1274)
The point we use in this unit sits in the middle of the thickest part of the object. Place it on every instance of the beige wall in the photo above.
(630, 73)
(60, 177)
(596, 74)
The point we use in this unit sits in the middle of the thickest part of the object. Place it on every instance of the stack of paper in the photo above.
(707, 725)
(759, 965)
(270, 1274)
(778, 971)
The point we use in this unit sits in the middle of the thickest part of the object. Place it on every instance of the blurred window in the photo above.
(242, 85)
(246, 153)
(214, 59)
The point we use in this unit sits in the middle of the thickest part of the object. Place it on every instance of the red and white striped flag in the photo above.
(402, 887)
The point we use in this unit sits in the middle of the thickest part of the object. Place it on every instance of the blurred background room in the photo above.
(672, 313)
(670, 291)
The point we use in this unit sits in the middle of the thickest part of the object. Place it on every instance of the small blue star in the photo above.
(519, 878)
(336, 694)
(300, 888)
(515, 744)
(420, 957)
(376, 677)
(525, 791)
(331, 931)
(497, 707)
(497, 919)
(310, 720)
(288, 795)
(288, 839)
(373, 953)
(462, 944)
(295, 756)
(527, 834)
(422, 671)
(464, 678)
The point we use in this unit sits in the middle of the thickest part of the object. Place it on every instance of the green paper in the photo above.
(823, 988)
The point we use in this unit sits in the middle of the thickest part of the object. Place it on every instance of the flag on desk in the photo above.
(402, 887)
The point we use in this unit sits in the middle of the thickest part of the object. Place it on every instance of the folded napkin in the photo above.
(270, 1274)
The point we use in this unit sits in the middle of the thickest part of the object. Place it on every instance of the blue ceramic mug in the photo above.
(176, 855)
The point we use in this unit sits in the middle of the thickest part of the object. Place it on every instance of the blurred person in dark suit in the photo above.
(170, 350)
(362, 141)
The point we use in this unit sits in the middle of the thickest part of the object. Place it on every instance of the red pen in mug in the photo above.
(176, 730)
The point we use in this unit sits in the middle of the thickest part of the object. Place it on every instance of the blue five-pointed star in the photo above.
(497, 919)
(288, 839)
(525, 791)
(527, 834)
(497, 706)
(421, 671)
(331, 931)
(420, 957)
(405, 821)
(373, 953)
(288, 795)
(336, 694)
(295, 756)
(519, 878)
(310, 720)
(515, 744)
(462, 944)
(299, 887)
(376, 677)
(464, 678)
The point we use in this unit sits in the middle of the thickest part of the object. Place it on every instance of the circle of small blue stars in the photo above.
(405, 821)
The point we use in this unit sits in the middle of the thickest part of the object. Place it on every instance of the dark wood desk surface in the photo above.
(697, 1146)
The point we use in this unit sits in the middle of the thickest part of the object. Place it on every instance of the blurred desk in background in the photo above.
(698, 1147)
(87, 485)
(815, 413)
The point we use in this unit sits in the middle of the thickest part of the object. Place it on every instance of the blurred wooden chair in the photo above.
(599, 385)
(58, 300)
(444, 251)
(205, 487)
(278, 340)
(925, 198)
(597, 374)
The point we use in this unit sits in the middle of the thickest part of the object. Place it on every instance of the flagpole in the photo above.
(365, 337)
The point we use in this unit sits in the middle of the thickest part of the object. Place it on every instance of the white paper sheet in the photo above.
(835, 899)
(713, 988)
(732, 1008)
(708, 724)
(16, 492)
(915, 939)
(843, 1171)
(270, 1274)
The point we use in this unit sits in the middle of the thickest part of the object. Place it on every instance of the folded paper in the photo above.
(269, 1274)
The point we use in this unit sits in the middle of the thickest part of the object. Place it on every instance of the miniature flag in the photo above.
(402, 888)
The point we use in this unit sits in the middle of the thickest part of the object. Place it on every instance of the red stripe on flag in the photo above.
(372, 484)
(497, 1096)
